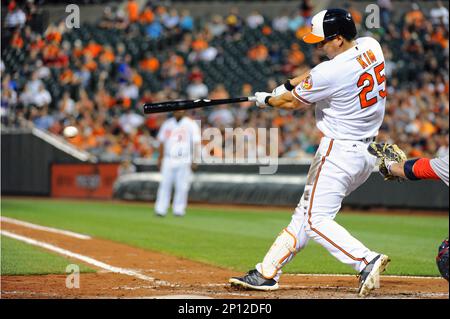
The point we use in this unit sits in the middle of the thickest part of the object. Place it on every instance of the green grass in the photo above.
(238, 239)
(23, 259)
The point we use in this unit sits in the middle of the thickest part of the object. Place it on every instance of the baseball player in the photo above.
(179, 139)
(420, 168)
(395, 166)
(349, 94)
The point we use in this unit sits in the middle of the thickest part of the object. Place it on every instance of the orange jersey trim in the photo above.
(300, 98)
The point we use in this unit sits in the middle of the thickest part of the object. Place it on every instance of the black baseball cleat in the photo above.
(370, 275)
(254, 280)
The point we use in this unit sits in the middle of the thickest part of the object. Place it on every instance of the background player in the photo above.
(349, 95)
(179, 139)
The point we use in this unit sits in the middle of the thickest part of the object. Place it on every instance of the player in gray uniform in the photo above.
(420, 168)
(424, 168)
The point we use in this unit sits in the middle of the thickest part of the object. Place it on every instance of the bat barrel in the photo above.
(170, 106)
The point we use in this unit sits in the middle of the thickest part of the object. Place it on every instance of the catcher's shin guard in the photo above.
(283, 247)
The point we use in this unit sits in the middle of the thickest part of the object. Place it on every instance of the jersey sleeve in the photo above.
(315, 87)
(440, 167)
(422, 169)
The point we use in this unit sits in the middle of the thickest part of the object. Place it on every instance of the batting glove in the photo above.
(262, 99)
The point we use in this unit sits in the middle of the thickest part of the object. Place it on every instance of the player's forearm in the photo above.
(289, 85)
(285, 101)
(396, 169)
(414, 169)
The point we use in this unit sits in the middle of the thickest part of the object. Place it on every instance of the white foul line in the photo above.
(43, 228)
(86, 259)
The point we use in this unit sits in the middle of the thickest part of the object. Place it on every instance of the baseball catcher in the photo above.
(394, 166)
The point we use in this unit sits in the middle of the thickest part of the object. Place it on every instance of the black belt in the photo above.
(368, 139)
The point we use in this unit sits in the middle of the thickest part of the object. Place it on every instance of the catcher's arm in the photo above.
(413, 169)
(396, 169)
(395, 166)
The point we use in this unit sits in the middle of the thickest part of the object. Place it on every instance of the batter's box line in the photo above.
(13, 221)
(86, 259)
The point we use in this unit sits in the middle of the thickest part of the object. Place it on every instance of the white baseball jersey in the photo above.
(349, 92)
(440, 167)
(179, 138)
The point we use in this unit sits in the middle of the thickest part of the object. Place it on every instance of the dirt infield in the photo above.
(168, 276)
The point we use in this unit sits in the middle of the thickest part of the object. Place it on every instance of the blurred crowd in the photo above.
(63, 77)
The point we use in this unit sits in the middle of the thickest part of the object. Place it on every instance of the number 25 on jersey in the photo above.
(367, 82)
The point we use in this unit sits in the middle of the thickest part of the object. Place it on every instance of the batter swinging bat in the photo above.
(169, 106)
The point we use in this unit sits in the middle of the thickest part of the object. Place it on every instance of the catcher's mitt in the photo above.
(387, 153)
(442, 259)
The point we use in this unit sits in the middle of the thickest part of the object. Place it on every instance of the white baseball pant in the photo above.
(178, 174)
(339, 167)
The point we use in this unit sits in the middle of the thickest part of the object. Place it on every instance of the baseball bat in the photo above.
(170, 106)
